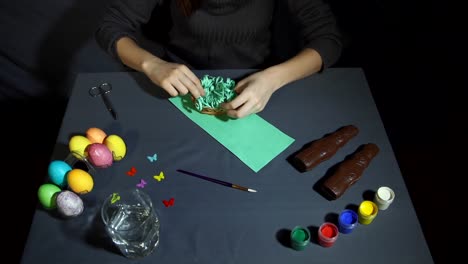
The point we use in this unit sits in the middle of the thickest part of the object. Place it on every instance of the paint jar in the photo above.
(327, 234)
(384, 197)
(300, 238)
(347, 221)
(367, 212)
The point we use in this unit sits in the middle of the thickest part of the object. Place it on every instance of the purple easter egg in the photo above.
(69, 204)
(99, 155)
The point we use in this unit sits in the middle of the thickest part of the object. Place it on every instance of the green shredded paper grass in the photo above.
(217, 91)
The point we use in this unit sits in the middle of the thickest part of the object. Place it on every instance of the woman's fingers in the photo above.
(169, 88)
(190, 86)
(176, 79)
(241, 106)
(181, 87)
(191, 82)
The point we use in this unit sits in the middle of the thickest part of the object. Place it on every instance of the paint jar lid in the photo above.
(300, 237)
(384, 197)
(347, 221)
(327, 234)
(368, 209)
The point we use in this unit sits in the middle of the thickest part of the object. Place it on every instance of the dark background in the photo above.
(411, 51)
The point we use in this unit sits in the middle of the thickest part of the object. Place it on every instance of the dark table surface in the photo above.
(210, 223)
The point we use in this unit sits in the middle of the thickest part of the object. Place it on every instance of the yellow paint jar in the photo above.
(367, 212)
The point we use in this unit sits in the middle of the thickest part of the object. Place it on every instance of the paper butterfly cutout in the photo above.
(141, 184)
(153, 158)
(159, 177)
(115, 197)
(132, 172)
(168, 203)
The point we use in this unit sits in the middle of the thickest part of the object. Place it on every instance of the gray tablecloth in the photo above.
(210, 223)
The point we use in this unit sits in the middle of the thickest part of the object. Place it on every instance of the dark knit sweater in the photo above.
(223, 33)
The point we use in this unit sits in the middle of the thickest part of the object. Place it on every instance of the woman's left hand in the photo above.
(253, 95)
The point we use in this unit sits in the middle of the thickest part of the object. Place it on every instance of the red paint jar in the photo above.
(327, 234)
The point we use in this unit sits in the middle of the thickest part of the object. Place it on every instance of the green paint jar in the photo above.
(300, 238)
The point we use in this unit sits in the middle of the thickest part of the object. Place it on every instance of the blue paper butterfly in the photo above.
(153, 158)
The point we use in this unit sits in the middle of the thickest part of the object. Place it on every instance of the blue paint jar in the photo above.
(347, 221)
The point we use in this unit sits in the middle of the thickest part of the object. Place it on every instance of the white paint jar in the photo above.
(384, 197)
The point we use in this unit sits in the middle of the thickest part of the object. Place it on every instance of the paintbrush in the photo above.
(235, 186)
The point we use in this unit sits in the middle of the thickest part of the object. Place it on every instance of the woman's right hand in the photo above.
(176, 79)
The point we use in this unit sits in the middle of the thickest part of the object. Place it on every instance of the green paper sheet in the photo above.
(252, 139)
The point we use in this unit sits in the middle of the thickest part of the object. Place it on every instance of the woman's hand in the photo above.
(176, 79)
(254, 92)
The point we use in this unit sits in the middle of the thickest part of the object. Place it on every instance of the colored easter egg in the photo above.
(80, 181)
(77, 146)
(99, 155)
(117, 146)
(57, 172)
(95, 135)
(47, 195)
(69, 204)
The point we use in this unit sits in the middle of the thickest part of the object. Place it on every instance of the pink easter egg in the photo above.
(99, 155)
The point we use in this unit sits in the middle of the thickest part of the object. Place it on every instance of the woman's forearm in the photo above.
(305, 63)
(133, 55)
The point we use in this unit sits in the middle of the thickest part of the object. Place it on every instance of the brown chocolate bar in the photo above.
(323, 149)
(349, 171)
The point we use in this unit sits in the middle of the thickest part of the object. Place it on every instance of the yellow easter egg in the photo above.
(80, 181)
(117, 146)
(77, 146)
(96, 135)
